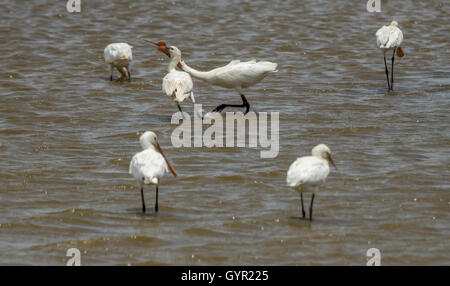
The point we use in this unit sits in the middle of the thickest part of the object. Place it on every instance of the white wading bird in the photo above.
(149, 165)
(307, 173)
(177, 84)
(390, 38)
(119, 56)
(238, 75)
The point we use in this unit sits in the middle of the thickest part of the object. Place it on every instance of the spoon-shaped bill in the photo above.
(159, 44)
(158, 148)
(334, 165)
(162, 47)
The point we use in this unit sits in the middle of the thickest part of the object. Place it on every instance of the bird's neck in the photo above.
(147, 145)
(195, 73)
(174, 62)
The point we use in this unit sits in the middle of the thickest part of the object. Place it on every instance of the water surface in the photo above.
(67, 135)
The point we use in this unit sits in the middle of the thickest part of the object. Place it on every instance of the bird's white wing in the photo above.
(233, 62)
(178, 81)
(389, 37)
(382, 36)
(307, 170)
(118, 51)
(243, 74)
(148, 165)
(395, 38)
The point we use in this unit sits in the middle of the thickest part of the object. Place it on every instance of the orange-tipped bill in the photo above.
(162, 47)
(400, 52)
(158, 148)
(165, 50)
(332, 163)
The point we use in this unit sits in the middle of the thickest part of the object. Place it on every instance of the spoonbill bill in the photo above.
(390, 38)
(149, 165)
(119, 56)
(176, 84)
(237, 75)
(307, 173)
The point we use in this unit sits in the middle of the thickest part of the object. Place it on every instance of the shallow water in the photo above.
(67, 135)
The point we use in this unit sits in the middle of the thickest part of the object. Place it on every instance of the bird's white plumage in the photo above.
(119, 55)
(148, 166)
(309, 172)
(116, 52)
(176, 81)
(179, 82)
(236, 74)
(389, 37)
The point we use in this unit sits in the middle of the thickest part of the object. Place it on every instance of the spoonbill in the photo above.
(177, 84)
(307, 173)
(119, 56)
(236, 74)
(390, 38)
(149, 165)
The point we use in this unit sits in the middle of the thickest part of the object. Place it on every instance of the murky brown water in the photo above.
(67, 135)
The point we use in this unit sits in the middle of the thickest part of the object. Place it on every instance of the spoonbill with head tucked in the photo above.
(149, 165)
(237, 75)
(307, 173)
(119, 56)
(177, 84)
(390, 38)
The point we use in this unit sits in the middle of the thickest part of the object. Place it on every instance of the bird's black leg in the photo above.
(142, 197)
(156, 202)
(129, 74)
(220, 108)
(311, 207)
(244, 104)
(392, 70)
(110, 72)
(387, 73)
(179, 108)
(303, 208)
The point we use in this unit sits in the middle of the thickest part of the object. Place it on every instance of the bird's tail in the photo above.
(150, 180)
(180, 97)
(269, 66)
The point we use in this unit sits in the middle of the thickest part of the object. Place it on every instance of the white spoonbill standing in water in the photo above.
(149, 165)
(177, 84)
(390, 38)
(237, 75)
(119, 56)
(307, 173)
